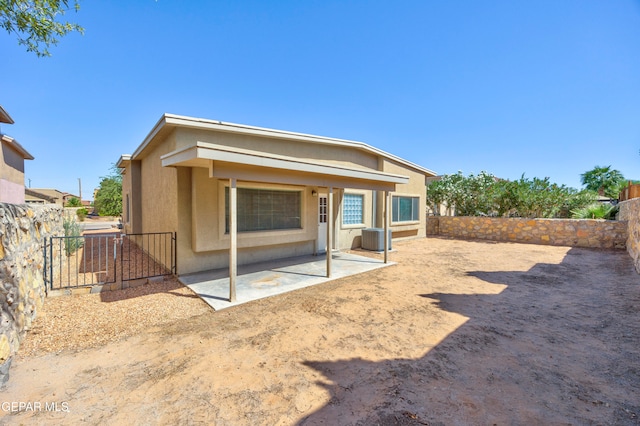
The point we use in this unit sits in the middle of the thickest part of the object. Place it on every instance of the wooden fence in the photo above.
(629, 192)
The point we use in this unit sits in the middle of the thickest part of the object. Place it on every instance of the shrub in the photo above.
(485, 195)
(73, 202)
(82, 214)
(596, 211)
(72, 232)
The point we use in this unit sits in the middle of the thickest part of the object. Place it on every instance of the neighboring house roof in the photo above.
(169, 121)
(38, 195)
(49, 192)
(5, 117)
(11, 142)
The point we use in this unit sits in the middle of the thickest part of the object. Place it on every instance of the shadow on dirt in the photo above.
(557, 346)
(168, 286)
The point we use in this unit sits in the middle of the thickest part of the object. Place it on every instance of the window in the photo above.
(352, 209)
(265, 209)
(127, 210)
(405, 209)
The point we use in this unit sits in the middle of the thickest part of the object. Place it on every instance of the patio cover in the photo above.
(243, 164)
(235, 164)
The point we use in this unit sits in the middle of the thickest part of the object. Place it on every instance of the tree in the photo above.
(603, 180)
(108, 200)
(36, 24)
(468, 194)
(74, 202)
(484, 195)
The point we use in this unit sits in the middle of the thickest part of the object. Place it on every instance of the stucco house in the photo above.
(12, 156)
(238, 194)
(44, 196)
(39, 196)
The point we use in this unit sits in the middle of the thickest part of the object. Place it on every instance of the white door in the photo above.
(322, 224)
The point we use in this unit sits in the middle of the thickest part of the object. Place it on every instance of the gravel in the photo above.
(78, 322)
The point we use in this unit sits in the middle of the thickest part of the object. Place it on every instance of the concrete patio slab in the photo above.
(267, 279)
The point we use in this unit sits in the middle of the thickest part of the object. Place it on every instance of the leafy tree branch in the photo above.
(36, 23)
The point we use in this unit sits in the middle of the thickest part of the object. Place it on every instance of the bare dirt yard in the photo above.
(457, 333)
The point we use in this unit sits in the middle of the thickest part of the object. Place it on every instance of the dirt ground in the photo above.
(457, 333)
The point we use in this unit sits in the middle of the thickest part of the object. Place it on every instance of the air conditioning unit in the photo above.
(373, 239)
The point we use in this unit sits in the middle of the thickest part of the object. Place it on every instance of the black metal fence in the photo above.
(147, 255)
(88, 260)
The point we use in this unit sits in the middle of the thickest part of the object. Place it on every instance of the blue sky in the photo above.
(544, 88)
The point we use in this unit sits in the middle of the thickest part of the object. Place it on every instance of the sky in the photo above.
(544, 88)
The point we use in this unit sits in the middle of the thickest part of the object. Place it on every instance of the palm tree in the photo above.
(604, 180)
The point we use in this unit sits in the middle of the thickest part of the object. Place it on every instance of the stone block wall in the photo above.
(23, 229)
(630, 212)
(560, 232)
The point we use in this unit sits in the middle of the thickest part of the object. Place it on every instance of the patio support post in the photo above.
(329, 229)
(233, 240)
(385, 212)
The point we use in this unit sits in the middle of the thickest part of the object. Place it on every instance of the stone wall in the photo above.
(559, 232)
(630, 212)
(23, 229)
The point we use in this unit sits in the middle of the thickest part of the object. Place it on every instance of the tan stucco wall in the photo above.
(11, 176)
(12, 165)
(329, 154)
(350, 236)
(415, 188)
(158, 191)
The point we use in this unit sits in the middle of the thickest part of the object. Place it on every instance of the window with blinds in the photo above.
(265, 209)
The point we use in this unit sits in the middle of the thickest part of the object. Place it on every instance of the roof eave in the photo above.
(123, 161)
(185, 121)
(5, 117)
(17, 147)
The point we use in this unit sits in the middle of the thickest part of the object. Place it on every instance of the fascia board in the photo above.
(5, 117)
(124, 158)
(17, 147)
(214, 152)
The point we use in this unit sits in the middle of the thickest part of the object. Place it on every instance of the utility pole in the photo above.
(80, 189)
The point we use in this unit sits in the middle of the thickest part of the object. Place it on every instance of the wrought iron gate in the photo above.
(88, 260)
(147, 255)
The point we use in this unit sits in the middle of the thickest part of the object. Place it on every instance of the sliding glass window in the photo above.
(405, 209)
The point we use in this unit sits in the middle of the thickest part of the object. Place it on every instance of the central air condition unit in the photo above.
(373, 239)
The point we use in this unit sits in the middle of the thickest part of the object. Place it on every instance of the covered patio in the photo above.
(267, 279)
(236, 165)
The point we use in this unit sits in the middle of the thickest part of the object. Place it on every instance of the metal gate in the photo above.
(147, 255)
(88, 260)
